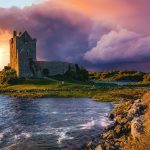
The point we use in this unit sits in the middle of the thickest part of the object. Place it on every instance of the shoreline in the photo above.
(127, 125)
(125, 116)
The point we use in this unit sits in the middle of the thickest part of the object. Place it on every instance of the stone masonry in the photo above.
(23, 58)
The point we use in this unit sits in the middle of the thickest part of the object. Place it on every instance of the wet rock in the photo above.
(87, 145)
(111, 116)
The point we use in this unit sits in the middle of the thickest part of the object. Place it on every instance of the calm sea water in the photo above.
(50, 123)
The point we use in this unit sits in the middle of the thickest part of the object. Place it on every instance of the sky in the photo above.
(17, 3)
(98, 34)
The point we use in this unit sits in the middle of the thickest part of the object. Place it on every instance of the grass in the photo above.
(70, 80)
(143, 83)
(33, 84)
(45, 88)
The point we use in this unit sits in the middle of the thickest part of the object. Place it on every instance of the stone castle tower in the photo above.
(23, 59)
(22, 54)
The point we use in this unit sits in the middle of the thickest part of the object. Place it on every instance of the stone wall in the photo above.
(23, 58)
(22, 51)
(54, 67)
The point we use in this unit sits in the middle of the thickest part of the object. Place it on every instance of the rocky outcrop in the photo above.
(137, 127)
(127, 122)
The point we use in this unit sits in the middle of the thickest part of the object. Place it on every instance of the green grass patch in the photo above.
(45, 88)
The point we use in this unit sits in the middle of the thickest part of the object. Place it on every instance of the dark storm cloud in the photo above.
(61, 34)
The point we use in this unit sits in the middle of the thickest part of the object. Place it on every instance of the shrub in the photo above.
(114, 75)
(8, 76)
(147, 77)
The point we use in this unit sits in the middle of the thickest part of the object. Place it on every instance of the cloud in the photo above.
(95, 33)
(120, 46)
(62, 34)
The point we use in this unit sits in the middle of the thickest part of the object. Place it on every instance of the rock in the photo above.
(107, 146)
(105, 134)
(111, 116)
(127, 128)
(88, 144)
(117, 131)
(125, 122)
(137, 101)
(132, 111)
(99, 147)
(137, 109)
(117, 146)
(137, 127)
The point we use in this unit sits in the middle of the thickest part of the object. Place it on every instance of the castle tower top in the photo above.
(14, 33)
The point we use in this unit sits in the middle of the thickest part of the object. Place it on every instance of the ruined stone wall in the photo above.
(54, 67)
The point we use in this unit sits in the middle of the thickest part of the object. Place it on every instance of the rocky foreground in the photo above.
(127, 124)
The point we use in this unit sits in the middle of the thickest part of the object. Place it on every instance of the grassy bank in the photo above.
(45, 88)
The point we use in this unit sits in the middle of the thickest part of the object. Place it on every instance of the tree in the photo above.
(8, 76)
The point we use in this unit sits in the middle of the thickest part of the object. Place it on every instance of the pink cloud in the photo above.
(88, 32)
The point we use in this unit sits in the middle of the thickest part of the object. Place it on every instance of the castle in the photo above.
(23, 59)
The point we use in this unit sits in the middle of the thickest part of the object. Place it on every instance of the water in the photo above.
(50, 123)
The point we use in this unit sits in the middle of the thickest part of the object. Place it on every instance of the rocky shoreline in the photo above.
(127, 124)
